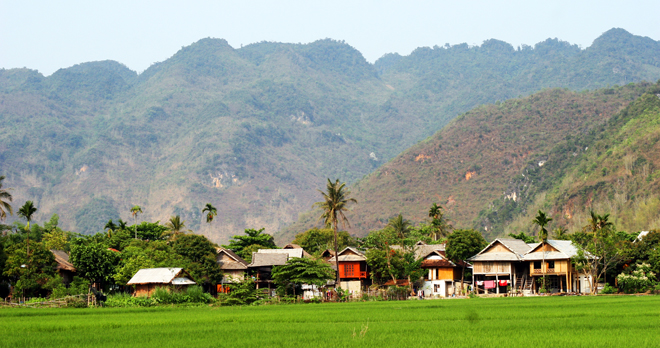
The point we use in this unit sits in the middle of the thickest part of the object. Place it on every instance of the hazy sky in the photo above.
(48, 35)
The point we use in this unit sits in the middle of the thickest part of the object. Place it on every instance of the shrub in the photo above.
(75, 302)
(640, 279)
(608, 289)
(127, 300)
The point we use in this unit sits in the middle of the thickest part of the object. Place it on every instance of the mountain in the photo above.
(256, 130)
(495, 166)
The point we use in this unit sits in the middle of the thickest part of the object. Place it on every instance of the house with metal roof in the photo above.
(500, 265)
(553, 259)
(353, 274)
(147, 280)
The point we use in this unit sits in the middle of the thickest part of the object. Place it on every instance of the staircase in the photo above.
(524, 283)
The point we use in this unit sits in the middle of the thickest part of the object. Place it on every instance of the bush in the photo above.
(192, 294)
(127, 300)
(640, 279)
(75, 302)
(608, 289)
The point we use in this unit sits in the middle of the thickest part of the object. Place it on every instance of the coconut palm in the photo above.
(335, 203)
(5, 198)
(542, 220)
(121, 225)
(599, 222)
(175, 226)
(210, 211)
(400, 226)
(135, 211)
(27, 211)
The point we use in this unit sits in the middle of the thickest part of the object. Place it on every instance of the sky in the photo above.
(49, 35)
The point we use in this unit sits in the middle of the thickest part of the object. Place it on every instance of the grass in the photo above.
(607, 321)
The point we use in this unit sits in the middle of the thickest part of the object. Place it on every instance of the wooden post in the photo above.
(497, 283)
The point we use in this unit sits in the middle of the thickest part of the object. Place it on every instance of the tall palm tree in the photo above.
(335, 203)
(440, 225)
(599, 222)
(175, 226)
(135, 211)
(210, 211)
(5, 198)
(542, 220)
(27, 211)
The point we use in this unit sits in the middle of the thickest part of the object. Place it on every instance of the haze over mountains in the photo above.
(257, 130)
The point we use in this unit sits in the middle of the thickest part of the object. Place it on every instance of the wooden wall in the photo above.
(491, 267)
(561, 266)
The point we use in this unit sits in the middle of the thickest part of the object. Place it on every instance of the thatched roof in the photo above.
(62, 259)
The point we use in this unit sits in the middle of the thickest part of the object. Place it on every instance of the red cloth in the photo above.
(504, 282)
(489, 284)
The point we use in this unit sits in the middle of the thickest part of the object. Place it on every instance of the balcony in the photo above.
(540, 271)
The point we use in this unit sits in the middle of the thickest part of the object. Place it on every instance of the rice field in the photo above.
(604, 321)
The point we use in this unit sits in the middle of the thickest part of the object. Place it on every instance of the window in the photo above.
(348, 270)
(551, 264)
(537, 264)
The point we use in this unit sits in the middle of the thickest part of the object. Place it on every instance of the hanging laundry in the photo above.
(504, 282)
(480, 282)
(489, 284)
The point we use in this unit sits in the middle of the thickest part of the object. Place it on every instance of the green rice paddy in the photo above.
(604, 321)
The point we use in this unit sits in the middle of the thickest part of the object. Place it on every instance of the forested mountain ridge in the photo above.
(254, 130)
(494, 167)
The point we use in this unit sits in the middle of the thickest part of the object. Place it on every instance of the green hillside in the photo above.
(492, 168)
(257, 130)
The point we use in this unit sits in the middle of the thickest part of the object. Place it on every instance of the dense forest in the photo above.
(256, 130)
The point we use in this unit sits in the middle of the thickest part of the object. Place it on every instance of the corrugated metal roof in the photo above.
(289, 252)
(495, 257)
(268, 259)
(565, 250)
(158, 276)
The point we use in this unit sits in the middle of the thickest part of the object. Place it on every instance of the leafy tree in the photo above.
(201, 254)
(239, 244)
(135, 211)
(316, 240)
(150, 230)
(335, 203)
(210, 211)
(298, 271)
(522, 236)
(242, 293)
(463, 244)
(30, 270)
(381, 258)
(55, 237)
(598, 249)
(542, 220)
(5, 198)
(93, 261)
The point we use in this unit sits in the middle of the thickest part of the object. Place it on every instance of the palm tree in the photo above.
(5, 198)
(27, 211)
(135, 211)
(110, 226)
(335, 203)
(400, 226)
(175, 226)
(210, 211)
(542, 220)
(561, 233)
(121, 225)
(599, 222)
(438, 222)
